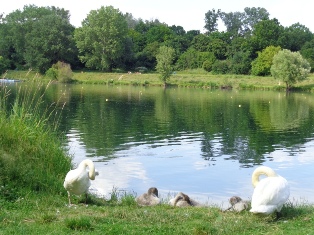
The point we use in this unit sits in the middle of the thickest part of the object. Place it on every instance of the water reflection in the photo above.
(202, 142)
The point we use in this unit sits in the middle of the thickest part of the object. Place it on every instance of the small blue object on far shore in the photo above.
(5, 80)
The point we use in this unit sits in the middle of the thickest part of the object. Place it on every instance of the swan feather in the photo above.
(270, 193)
(149, 199)
(77, 181)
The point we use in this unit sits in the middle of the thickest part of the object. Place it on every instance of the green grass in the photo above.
(33, 201)
(190, 78)
(49, 214)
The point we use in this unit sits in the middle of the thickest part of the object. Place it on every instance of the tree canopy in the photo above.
(164, 66)
(290, 67)
(101, 38)
(108, 40)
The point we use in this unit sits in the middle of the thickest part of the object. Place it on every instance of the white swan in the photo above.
(77, 181)
(183, 200)
(270, 193)
(148, 199)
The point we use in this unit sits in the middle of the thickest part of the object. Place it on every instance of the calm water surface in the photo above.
(204, 143)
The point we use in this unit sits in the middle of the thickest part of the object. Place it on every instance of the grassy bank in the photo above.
(33, 201)
(192, 78)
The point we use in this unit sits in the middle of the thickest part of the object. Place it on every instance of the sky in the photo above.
(186, 13)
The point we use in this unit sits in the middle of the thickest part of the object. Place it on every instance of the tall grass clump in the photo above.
(31, 155)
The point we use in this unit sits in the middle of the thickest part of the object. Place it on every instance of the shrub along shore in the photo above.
(33, 200)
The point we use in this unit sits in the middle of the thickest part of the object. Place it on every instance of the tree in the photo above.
(200, 42)
(252, 16)
(211, 21)
(101, 38)
(294, 37)
(307, 51)
(261, 65)
(49, 41)
(265, 33)
(240, 63)
(289, 67)
(4, 65)
(219, 48)
(37, 37)
(233, 22)
(165, 63)
(188, 59)
(159, 33)
(209, 61)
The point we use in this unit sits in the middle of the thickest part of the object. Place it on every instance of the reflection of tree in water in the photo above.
(211, 149)
(238, 150)
(246, 155)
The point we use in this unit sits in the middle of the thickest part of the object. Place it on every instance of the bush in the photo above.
(60, 71)
(241, 63)
(52, 73)
(261, 65)
(208, 63)
(221, 67)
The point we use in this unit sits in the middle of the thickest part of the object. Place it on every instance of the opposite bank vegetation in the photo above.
(33, 201)
(197, 78)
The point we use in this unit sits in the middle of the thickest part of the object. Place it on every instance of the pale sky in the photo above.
(188, 14)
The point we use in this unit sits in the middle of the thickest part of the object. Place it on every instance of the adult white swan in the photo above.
(148, 199)
(77, 181)
(270, 193)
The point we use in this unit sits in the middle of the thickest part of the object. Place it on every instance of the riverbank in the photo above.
(33, 200)
(49, 214)
(192, 78)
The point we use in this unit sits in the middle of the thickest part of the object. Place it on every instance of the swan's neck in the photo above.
(88, 163)
(263, 170)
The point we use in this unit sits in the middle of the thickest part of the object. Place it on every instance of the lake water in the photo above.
(205, 143)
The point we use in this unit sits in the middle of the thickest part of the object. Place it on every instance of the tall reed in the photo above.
(31, 154)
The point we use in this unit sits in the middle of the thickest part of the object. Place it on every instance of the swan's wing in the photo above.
(270, 194)
(77, 182)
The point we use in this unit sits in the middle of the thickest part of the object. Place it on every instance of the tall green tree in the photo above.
(200, 42)
(290, 67)
(165, 63)
(265, 33)
(233, 22)
(252, 16)
(159, 33)
(211, 20)
(39, 37)
(294, 37)
(49, 41)
(101, 38)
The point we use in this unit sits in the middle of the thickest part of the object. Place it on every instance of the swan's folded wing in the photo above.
(270, 194)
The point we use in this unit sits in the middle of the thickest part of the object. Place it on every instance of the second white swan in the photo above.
(270, 193)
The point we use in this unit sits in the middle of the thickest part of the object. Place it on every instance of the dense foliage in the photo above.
(289, 67)
(164, 63)
(108, 40)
